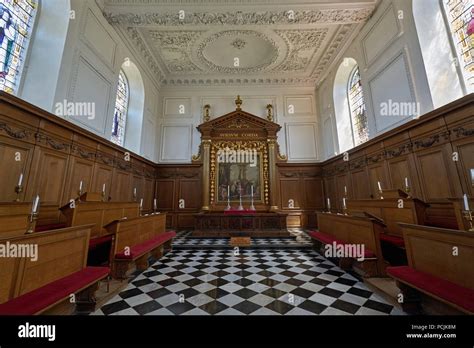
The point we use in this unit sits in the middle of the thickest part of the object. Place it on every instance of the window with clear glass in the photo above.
(16, 27)
(358, 113)
(120, 114)
(460, 14)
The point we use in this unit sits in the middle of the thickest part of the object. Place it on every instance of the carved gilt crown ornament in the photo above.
(259, 43)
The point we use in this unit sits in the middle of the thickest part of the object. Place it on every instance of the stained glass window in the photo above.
(460, 14)
(360, 129)
(16, 26)
(120, 114)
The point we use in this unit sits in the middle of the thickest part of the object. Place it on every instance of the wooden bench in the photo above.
(338, 229)
(47, 284)
(14, 219)
(137, 239)
(391, 213)
(439, 278)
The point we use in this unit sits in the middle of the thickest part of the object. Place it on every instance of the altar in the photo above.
(240, 224)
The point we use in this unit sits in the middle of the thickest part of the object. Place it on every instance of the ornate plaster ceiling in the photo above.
(206, 42)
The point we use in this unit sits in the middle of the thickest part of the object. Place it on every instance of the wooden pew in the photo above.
(45, 285)
(354, 230)
(391, 213)
(440, 272)
(136, 239)
(14, 219)
(98, 213)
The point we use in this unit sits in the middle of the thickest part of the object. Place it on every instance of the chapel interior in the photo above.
(237, 157)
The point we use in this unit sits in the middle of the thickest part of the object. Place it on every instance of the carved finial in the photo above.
(207, 107)
(238, 102)
(269, 115)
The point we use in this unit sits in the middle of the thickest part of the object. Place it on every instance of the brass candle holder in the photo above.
(407, 190)
(32, 222)
(381, 194)
(18, 190)
(468, 216)
(103, 196)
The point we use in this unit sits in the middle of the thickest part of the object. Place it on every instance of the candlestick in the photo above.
(20, 179)
(329, 204)
(134, 193)
(468, 216)
(251, 204)
(380, 189)
(228, 198)
(32, 222)
(345, 191)
(155, 205)
(466, 203)
(79, 192)
(35, 204)
(141, 205)
(18, 190)
(240, 200)
(103, 193)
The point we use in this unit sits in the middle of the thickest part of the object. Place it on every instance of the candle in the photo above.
(329, 204)
(80, 186)
(345, 190)
(134, 191)
(344, 203)
(103, 188)
(141, 203)
(251, 187)
(406, 182)
(35, 204)
(379, 185)
(466, 203)
(228, 192)
(20, 179)
(155, 205)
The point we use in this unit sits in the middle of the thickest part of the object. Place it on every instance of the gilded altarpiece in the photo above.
(240, 133)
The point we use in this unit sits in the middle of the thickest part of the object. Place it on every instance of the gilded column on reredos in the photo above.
(273, 179)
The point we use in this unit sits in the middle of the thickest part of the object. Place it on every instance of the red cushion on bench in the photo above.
(142, 248)
(397, 241)
(327, 239)
(49, 294)
(93, 243)
(449, 291)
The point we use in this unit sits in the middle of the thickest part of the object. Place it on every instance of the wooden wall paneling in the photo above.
(165, 194)
(16, 158)
(103, 170)
(121, 186)
(189, 190)
(462, 138)
(290, 189)
(433, 155)
(359, 177)
(314, 193)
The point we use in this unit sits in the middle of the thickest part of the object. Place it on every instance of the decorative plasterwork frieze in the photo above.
(319, 16)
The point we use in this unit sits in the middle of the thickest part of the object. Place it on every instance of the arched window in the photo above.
(460, 17)
(16, 26)
(120, 113)
(360, 130)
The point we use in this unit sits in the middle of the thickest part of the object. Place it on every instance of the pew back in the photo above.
(14, 218)
(99, 213)
(391, 211)
(430, 250)
(59, 253)
(352, 230)
(132, 231)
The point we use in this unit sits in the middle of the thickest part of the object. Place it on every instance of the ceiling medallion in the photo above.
(238, 43)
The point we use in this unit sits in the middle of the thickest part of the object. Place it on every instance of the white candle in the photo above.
(103, 188)
(228, 192)
(379, 185)
(344, 203)
(345, 190)
(80, 186)
(251, 187)
(134, 191)
(20, 179)
(35, 204)
(329, 204)
(406, 182)
(141, 203)
(155, 205)
(466, 203)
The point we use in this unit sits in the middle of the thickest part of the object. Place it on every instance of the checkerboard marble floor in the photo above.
(299, 239)
(254, 282)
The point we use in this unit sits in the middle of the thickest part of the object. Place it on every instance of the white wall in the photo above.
(293, 108)
(388, 53)
(92, 59)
